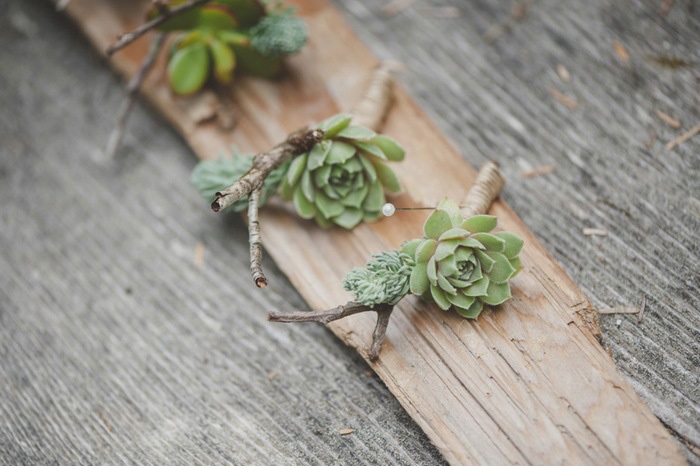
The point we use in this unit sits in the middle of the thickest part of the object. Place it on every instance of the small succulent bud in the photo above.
(384, 280)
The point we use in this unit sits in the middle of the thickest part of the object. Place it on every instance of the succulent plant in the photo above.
(342, 179)
(460, 264)
(385, 279)
(223, 35)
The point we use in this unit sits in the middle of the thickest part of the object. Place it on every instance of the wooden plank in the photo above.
(526, 382)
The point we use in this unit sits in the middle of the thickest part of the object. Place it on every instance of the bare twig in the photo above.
(383, 315)
(618, 310)
(263, 163)
(166, 14)
(642, 308)
(668, 119)
(132, 88)
(484, 191)
(595, 232)
(255, 241)
(683, 137)
(543, 170)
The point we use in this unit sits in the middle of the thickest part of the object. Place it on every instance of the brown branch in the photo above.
(167, 13)
(263, 163)
(255, 241)
(132, 88)
(329, 315)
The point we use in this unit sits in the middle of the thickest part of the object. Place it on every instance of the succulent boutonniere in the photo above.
(335, 172)
(459, 263)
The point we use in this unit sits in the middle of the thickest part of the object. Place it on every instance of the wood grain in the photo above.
(527, 381)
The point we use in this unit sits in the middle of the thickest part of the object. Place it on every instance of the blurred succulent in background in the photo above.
(460, 264)
(225, 35)
(342, 179)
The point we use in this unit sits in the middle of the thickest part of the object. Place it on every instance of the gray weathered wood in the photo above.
(494, 100)
(114, 348)
(74, 341)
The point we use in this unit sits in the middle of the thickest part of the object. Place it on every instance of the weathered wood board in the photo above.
(524, 383)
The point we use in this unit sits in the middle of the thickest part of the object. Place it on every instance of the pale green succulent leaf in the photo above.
(502, 270)
(458, 283)
(389, 147)
(419, 279)
(446, 248)
(307, 186)
(437, 224)
(431, 271)
(410, 247)
(479, 288)
(296, 169)
(355, 198)
(497, 293)
(486, 261)
(369, 168)
(445, 285)
(328, 207)
(463, 254)
(513, 244)
(454, 233)
(473, 311)
(461, 300)
(335, 124)
(321, 176)
(370, 149)
(318, 154)
(492, 242)
(352, 165)
(359, 133)
(304, 207)
(426, 250)
(349, 218)
(439, 298)
(387, 177)
(448, 266)
(480, 223)
(286, 190)
(472, 243)
(375, 199)
(451, 207)
(339, 152)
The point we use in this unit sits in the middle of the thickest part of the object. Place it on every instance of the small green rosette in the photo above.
(342, 179)
(460, 263)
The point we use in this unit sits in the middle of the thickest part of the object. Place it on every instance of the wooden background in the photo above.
(652, 235)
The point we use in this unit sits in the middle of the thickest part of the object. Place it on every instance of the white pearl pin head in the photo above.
(388, 209)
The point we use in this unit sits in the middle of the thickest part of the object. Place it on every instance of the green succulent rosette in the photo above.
(342, 179)
(460, 263)
(222, 36)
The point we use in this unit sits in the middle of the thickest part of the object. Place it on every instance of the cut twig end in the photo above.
(261, 282)
(216, 205)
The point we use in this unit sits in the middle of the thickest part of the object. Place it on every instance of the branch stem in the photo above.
(329, 315)
(256, 250)
(263, 163)
(166, 14)
(132, 88)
